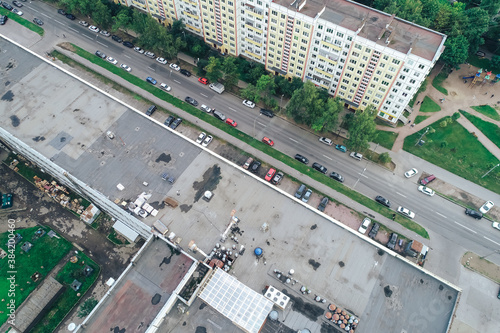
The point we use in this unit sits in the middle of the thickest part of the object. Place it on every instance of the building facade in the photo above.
(359, 54)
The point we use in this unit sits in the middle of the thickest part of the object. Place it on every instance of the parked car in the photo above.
(60, 11)
(206, 109)
(338, 177)
(38, 21)
(84, 23)
(139, 50)
(268, 141)
(255, 166)
(18, 4)
(270, 174)
(374, 230)
(326, 141)
(100, 54)
(341, 148)
(322, 204)
(185, 72)
(201, 137)
(410, 173)
(391, 244)
(248, 103)
(356, 156)
(219, 115)
(17, 11)
(277, 178)
(116, 39)
(175, 67)
(307, 195)
(203, 80)
(300, 191)
(125, 67)
(95, 29)
(176, 123)
(247, 163)
(319, 167)
(364, 225)
(151, 110)
(162, 61)
(381, 200)
(71, 17)
(151, 55)
(405, 212)
(207, 141)
(301, 158)
(486, 207)
(426, 190)
(151, 80)
(496, 225)
(231, 122)
(104, 33)
(191, 101)
(473, 213)
(128, 44)
(3, 19)
(169, 120)
(427, 180)
(7, 6)
(267, 113)
(165, 87)
(112, 60)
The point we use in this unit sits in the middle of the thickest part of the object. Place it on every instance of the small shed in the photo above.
(125, 231)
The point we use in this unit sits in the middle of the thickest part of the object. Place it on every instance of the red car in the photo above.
(268, 141)
(203, 80)
(231, 122)
(270, 174)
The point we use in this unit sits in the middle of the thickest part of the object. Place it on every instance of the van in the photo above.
(151, 109)
(300, 191)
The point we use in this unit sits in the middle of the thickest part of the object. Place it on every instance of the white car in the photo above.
(165, 87)
(175, 67)
(207, 141)
(17, 11)
(84, 23)
(486, 207)
(356, 156)
(364, 226)
(496, 225)
(406, 212)
(326, 141)
(426, 190)
(125, 67)
(104, 33)
(93, 28)
(248, 103)
(201, 137)
(138, 49)
(162, 61)
(205, 108)
(112, 60)
(411, 173)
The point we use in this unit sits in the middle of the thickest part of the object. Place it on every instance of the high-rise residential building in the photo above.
(359, 54)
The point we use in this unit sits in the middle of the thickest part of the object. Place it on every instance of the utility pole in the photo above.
(426, 130)
(490, 170)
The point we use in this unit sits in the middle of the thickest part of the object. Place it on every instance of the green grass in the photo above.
(386, 139)
(462, 155)
(368, 202)
(488, 111)
(69, 298)
(43, 256)
(22, 21)
(428, 105)
(420, 119)
(438, 81)
(491, 130)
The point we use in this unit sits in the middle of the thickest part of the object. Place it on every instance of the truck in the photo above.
(160, 227)
(217, 87)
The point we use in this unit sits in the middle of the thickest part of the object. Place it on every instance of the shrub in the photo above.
(455, 116)
(385, 158)
(443, 123)
(444, 144)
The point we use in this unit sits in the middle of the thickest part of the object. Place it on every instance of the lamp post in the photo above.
(426, 130)
(490, 170)
(281, 100)
(184, 34)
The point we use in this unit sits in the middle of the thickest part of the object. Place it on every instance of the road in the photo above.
(434, 213)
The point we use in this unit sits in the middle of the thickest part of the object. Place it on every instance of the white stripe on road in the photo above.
(491, 240)
(45, 15)
(404, 196)
(465, 227)
(151, 69)
(230, 108)
(441, 215)
(261, 124)
(101, 44)
(293, 140)
(59, 22)
(363, 175)
(74, 30)
(127, 56)
(331, 159)
(203, 95)
(34, 10)
(177, 81)
(91, 38)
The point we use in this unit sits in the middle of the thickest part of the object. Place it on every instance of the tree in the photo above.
(456, 51)
(230, 70)
(200, 71)
(363, 129)
(266, 85)
(385, 158)
(329, 117)
(251, 93)
(255, 73)
(121, 20)
(178, 27)
(305, 106)
(213, 69)
(102, 15)
(87, 307)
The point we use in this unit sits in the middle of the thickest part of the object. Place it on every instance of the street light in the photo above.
(184, 34)
(490, 170)
(281, 100)
(426, 130)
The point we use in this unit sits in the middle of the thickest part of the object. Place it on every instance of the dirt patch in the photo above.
(481, 265)
(67, 46)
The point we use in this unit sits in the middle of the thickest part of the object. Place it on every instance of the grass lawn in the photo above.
(463, 154)
(22, 21)
(488, 111)
(420, 119)
(491, 130)
(438, 81)
(386, 139)
(43, 256)
(428, 105)
(69, 298)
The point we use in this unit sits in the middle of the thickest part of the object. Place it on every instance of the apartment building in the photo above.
(359, 54)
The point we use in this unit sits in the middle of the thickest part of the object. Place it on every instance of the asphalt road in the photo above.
(434, 213)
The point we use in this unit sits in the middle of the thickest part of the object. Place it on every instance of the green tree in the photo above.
(363, 129)
(251, 93)
(178, 27)
(213, 69)
(121, 20)
(255, 73)
(230, 71)
(495, 61)
(87, 307)
(456, 51)
(385, 158)
(329, 117)
(102, 15)
(305, 106)
(266, 85)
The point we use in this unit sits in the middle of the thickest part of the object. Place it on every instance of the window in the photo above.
(320, 27)
(402, 77)
(355, 54)
(388, 76)
(385, 57)
(406, 70)
(396, 62)
(421, 66)
(382, 65)
(339, 34)
(412, 81)
(329, 30)
(349, 38)
(357, 46)
(365, 58)
(352, 61)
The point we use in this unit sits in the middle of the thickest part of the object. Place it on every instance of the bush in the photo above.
(495, 61)
(385, 158)
(444, 123)
(455, 116)
(444, 144)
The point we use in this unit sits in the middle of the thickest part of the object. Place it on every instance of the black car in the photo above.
(169, 120)
(100, 54)
(255, 166)
(475, 214)
(319, 167)
(267, 113)
(116, 38)
(381, 200)
(191, 101)
(322, 204)
(151, 110)
(38, 21)
(374, 230)
(128, 44)
(392, 241)
(176, 123)
(185, 72)
(7, 6)
(277, 178)
(3, 19)
(337, 177)
(17, 4)
(301, 158)
(61, 11)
